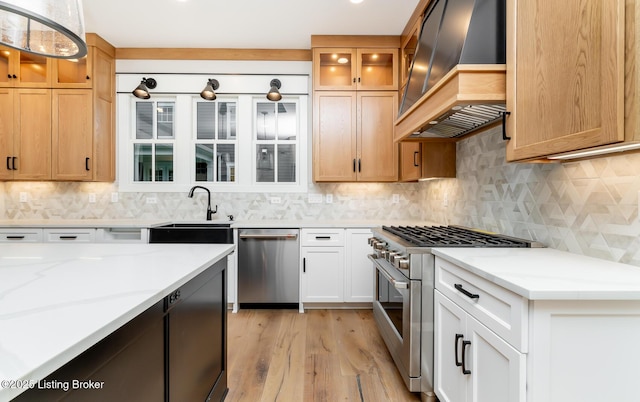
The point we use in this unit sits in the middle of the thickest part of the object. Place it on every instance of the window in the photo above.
(215, 141)
(153, 143)
(276, 139)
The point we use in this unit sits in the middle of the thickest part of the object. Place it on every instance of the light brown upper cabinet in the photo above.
(407, 52)
(24, 70)
(366, 69)
(353, 138)
(427, 160)
(565, 76)
(66, 130)
(25, 134)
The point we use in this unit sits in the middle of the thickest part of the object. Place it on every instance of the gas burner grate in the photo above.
(452, 236)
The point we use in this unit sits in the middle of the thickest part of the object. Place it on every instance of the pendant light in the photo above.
(142, 90)
(51, 28)
(208, 93)
(274, 94)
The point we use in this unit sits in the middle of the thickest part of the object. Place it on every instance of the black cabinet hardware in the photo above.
(15, 237)
(415, 153)
(466, 292)
(13, 163)
(68, 237)
(86, 164)
(8, 160)
(504, 125)
(354, 165)
(464, 360)
(359, 166)
(304, 265)
(323, 237)
(458, 337)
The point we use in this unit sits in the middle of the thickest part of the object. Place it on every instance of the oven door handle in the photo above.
(396, 283)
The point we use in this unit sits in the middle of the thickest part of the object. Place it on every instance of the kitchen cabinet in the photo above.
(544, 349)
(353, 136)
(565, 95)
(25, 134)
(73, 136)
(20, 235)
(323, 265)
(427, 160)
(372, 69)
(25, 70)
(355, 92)
(358, 281)
(69, 235)
(408, 51)
(122, 235)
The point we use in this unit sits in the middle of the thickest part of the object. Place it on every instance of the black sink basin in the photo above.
(219, 233)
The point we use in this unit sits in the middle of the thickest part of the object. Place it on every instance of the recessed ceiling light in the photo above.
(356, 1)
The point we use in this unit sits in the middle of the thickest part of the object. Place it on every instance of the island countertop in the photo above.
(58, 300)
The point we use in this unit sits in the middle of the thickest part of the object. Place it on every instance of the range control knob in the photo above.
(380, 245)
(383, 253)
(391, 255)
(397, 258)
(402, 263)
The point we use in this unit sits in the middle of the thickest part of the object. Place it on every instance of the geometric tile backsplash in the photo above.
(588, 207)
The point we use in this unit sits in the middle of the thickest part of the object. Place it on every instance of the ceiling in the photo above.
(259, 24)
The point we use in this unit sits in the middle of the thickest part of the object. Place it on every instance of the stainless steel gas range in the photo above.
(404, 286)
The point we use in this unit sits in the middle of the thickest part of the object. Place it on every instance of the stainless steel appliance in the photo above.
(404, 285)
(268, 268)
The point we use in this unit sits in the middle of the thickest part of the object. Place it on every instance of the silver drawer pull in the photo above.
(269, 237)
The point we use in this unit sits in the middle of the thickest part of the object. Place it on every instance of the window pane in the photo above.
(204, 162)
(164, 162)
(286, 163)
(227, 120)
(265, 163)
(165, 119)
(205, 121)
(226, 163)
(265, 121)
(287, 121)
(142, 164)
(144, 121)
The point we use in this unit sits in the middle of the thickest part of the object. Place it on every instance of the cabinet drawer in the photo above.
(322, 237)
(122, 235)
(20, 235)
(501, 310)
(70, 235)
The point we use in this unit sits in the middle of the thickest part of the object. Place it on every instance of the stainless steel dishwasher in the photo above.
(268, 268)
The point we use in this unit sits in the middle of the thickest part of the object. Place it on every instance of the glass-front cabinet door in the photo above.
(20, 69)
(334, 69)
(377, 69)
(72, 73)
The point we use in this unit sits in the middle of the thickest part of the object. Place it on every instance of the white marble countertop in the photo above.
(82, 223)
(548, 274)
(57, 300)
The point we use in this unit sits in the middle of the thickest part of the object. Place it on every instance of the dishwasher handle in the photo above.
(268, 236)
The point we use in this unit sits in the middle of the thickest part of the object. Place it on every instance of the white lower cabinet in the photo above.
(20, 235)
(358, 279)
(334, 266)
(515, 349)
(70, 235)
(472, 363)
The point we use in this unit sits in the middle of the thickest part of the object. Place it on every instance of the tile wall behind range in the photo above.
(588, 207)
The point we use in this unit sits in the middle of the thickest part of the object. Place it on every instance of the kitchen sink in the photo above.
(220, 233)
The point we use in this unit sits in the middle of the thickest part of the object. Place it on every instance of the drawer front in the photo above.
(70, 235)
(501, 310)
(20, 235)
(122, 235)
(322, 237)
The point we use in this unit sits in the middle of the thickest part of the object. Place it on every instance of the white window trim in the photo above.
(184, 155)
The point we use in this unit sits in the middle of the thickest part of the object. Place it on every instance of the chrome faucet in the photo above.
(209, 211)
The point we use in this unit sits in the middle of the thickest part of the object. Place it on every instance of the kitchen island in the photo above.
(59, 300)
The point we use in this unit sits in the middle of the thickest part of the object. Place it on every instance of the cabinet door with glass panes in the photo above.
(154, 141)
(215, 142)
(275, 138)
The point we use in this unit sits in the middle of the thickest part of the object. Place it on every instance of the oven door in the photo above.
(396, 309)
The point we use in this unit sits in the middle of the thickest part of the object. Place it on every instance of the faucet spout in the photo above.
(210, 212)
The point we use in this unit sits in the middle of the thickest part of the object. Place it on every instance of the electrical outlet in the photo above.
(329, 198)
(92, 198)
(314, 199)
(24, 197)
(445, 199)
(276, 200)
(152, 200)
(395, 198)
(114, 197)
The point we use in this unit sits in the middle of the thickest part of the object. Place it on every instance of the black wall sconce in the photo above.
(208, 93)
(274, 94)
(142, 91)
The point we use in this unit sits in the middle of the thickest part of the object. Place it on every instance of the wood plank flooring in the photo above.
(321, 355)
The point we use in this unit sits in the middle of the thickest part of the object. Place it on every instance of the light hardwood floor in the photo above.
(321, 355)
